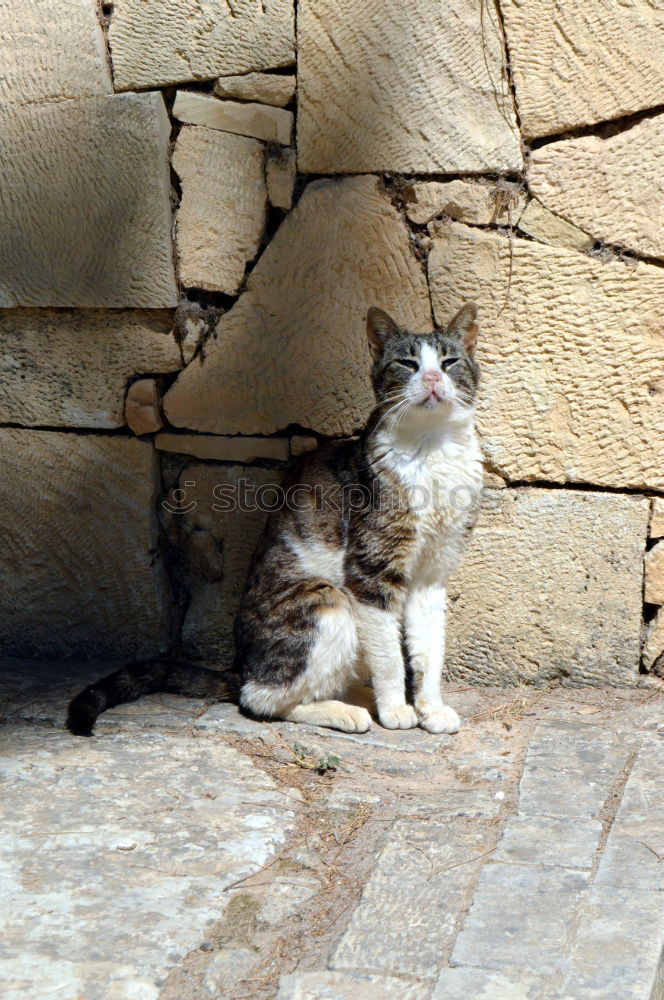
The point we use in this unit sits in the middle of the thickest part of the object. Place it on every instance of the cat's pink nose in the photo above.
(432, 375)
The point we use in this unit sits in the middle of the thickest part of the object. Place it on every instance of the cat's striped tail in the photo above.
(146, 677)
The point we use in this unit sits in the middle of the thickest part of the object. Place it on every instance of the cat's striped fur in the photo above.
(335, 586)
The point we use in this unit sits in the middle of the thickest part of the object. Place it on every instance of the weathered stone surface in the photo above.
(300, 444)
(563, 55)
(294, 344)
(570, 771)
(70, 369)
(230, 503)
(220, 221)
(653, 647)
(266, 88)
(573, 357)
(656, 529)
(143, 406)
(347, 986)
(467, 201)
(549, 841)
(654, 574)
(281, 173)
(80, 567)
(538, 222)
(224, 449)
(522, 919)
(256, 120)
(51, 50)
(416, 895)
(85, 216)
(439, 103)
(613, 187)
(104, 903)
(482, 984)
(617, 952)
(558, 599)
(167, 41)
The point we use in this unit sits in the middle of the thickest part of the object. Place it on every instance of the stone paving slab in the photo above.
(416, 895)
(521, 920)
(481, 984)
(348, 986)
(547, 841)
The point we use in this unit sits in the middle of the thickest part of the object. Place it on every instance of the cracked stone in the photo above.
(294, 343)
(157, 42)
(359, 111)
(256, 120)
(220, 221)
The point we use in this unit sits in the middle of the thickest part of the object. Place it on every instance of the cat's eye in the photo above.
(408, 363)
(448, 362)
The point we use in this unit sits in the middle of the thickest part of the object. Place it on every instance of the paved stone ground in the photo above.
(186, 852)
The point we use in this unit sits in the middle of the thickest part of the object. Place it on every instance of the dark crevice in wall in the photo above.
(601, 130)
(79, 431)
(580, 487)
(507, 66)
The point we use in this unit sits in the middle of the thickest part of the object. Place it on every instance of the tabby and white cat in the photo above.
(337, 589)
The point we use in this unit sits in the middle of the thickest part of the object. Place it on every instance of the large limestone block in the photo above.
(550, 589)
(580, 63)
(71, 368)
(572, 355)
(613, 188)
(402, 85)
(51, 49)
(81, 573)
(85, 216)
(222, 214)
(225, 509)
(293, 349)
(156, 42)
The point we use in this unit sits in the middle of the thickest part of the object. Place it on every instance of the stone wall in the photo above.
(199, 201)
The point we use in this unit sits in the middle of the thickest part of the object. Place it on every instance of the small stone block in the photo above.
(266, 88)
(466, 201)
(521, 919)
(300, 444)
(547, 841)
(481, 984)
(653, 647)
(347, 986)
(143, 407)
(256, 120)
(281, 173)
(654, 567)
(656, 529)
(538, 222)
(215, 448)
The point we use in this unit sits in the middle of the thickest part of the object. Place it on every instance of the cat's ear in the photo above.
(380, 327)
(464, 326)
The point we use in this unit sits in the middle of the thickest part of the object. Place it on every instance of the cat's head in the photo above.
(427, 377)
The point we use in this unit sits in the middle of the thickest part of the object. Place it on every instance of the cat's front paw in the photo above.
(444, 720)
(401, 717)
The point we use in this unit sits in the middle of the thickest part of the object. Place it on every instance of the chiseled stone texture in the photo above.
(235, 528)
(266, 88)
(257, 120)
(559, 598)
(577, 64)
(538, 222)
(656, 529)
(85, 217)
(142, 406)
(157, 42)
(80, 566)
(70, 368)
(400, 85)
(220, 221)
(613, 187)
(475, 202)
(572, 357)
(216, 448)
(293, 348)
(654, 571)
(281, 174)
(51, 49)
(347, 986)
(121, 847)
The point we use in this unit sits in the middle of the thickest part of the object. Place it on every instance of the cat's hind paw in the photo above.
(445, 720)
(401, 717)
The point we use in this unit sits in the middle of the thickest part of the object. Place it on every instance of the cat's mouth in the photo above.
(432, 399)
